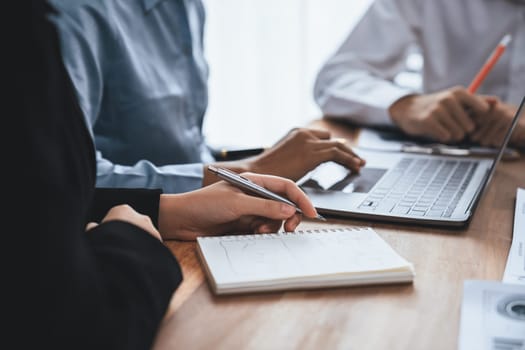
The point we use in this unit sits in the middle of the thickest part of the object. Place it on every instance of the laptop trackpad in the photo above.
(345, 181)
(362, 182)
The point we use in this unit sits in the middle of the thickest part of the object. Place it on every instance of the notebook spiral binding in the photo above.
(277, 234)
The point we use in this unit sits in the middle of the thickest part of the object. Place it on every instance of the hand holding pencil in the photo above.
(448, 115)
(493, 124)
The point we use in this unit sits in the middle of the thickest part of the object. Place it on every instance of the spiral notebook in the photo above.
(305, 259)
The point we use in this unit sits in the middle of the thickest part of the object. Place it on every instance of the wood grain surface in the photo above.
(422, 315)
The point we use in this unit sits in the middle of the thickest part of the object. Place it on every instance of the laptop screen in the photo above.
(506, 140)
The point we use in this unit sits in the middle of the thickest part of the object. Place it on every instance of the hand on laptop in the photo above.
(492, 125)
(441, 116)
(300, 151)
(297, 153)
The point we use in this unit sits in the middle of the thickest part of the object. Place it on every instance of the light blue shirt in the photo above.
(139, 70)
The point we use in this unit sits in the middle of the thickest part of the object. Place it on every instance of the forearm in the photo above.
(357, 83)
(144, 174)
(135, 269)
(144, 201)
(364, 100)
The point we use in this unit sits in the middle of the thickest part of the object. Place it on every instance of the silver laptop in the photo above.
(396, 187)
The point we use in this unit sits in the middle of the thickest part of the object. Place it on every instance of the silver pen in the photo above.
(244, 183)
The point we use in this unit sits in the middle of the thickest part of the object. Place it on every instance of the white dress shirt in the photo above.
(455, 37)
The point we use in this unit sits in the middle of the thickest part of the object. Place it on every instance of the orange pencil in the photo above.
(491, 61)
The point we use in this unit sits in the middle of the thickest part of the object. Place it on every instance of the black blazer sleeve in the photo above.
(108, 288)
(142, 200)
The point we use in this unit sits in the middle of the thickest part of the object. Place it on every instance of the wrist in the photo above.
(398, 110)
(171, 215)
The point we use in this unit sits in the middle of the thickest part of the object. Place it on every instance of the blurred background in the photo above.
(263, 58)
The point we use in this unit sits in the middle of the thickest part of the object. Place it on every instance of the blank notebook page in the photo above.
(299, 255)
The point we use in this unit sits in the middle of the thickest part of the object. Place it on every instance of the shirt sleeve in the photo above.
(175, 178)
(142, 200)
(357, 82)
(141, 274)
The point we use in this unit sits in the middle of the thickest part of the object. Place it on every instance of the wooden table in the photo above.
(422, 315)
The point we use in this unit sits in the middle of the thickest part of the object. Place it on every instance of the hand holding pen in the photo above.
(221, 208)
(258, 190)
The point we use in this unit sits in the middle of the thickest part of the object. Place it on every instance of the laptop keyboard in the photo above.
(421, 187)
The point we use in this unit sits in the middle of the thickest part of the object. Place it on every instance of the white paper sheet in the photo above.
(515, 268)
(492, 316)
